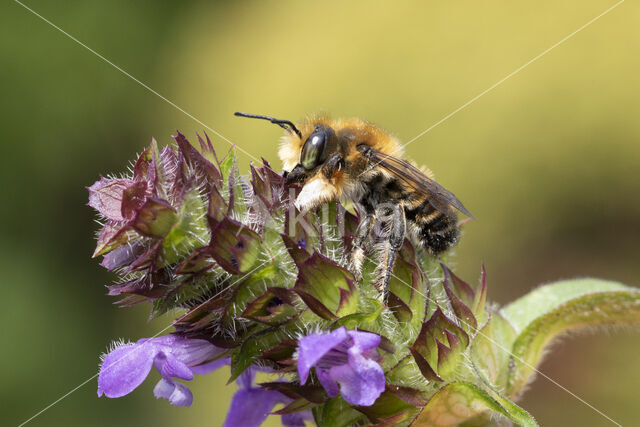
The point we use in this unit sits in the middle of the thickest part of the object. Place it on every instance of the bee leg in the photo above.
(357, 253)
(335, 162)
(396, 238)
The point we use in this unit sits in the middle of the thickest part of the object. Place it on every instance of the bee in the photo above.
(353, 160)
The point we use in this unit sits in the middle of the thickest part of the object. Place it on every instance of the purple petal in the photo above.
(191, 352)
(297, 419)
(170, 367)
(105, 196)
(125, 368)
(245, 380)
(211, 366)
(250, 407)
(181, 396)
(364, 340)
(177, 394)
(164, 389)
(361, 380)
(313, 347)
(327, 382)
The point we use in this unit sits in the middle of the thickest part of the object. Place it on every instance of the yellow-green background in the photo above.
(548, 161)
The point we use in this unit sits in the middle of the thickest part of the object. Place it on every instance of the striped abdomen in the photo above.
(436, 230)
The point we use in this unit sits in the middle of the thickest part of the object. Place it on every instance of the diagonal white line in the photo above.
(174, 105)
(513, 355)
(52, 404)
(508, 76)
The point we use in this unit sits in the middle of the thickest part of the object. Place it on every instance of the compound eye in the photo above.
(313, 149)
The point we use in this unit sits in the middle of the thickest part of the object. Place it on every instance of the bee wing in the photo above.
(438, 196)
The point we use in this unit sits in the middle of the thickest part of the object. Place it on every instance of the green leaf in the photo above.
(234, 246)
(571, 305)
(190, 232)
(462, 289)
(513, 411)
(364, 321)
(490, 355)
(438, 347)
(326, 288)
(227, 163)
(389, 409)
(273, 307)
(491, 350)
(237, 206)
(461, 310)
(246, 290)
(481, 297)
(467, 303)
(337, 413)
(546, 298)
(402, 370)
(217, 207)
(156, 218)
(408, 294)
(458, 402)
(198, 261)
(254, 345)
(188, 288)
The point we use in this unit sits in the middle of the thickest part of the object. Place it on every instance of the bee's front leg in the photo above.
(332, 165)
(388, 258)
(359, 240)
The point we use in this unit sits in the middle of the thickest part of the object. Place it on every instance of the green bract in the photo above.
(249, 273)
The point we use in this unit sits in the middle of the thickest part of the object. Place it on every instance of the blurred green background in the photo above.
(548, 162)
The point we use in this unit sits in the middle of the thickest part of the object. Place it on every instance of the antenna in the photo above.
(284, 124)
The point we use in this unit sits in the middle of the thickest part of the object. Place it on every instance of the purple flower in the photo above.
(252, 405)
(346, 359)
(127, 366)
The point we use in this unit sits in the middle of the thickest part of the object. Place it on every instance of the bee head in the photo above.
(315, 152)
